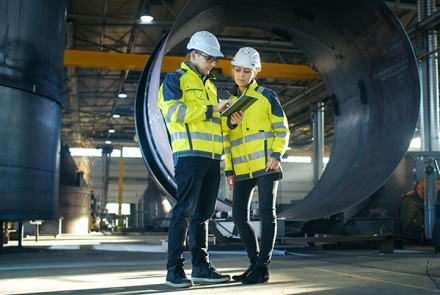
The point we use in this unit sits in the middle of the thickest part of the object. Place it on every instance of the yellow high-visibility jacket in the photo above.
(263, 133)
(186, 101)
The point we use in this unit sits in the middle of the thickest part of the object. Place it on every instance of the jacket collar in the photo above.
(185, 65)
(235, 92)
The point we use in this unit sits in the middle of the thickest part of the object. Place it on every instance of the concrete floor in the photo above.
(135, 264)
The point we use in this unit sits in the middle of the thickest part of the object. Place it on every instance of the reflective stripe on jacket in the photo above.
(263, 133)
(186, 103)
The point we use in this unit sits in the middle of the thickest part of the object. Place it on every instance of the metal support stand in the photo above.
(60, 226)
(430, 198)
(37, 228)
(20, 234)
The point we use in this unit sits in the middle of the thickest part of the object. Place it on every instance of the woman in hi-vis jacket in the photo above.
(253, 151)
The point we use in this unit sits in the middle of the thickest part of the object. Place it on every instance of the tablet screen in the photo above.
(240, 104)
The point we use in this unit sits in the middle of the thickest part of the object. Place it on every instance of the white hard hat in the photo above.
(247, 57)
(205, 42)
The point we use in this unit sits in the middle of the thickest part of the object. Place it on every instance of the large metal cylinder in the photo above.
(75, 205)
(31, 66)
(366, 61)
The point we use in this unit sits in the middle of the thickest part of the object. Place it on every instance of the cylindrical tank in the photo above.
(74, 209)
(31, 64)
(68, 168)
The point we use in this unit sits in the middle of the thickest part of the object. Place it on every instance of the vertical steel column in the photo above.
(142, 211)
(429, 114)
(423, 125)
(433, 83)
(73, 87)
(318, 141)
(104, 187)
(121, 182)
(428, 72)
(420, 48)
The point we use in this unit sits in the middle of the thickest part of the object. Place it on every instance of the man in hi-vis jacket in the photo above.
(190, 105)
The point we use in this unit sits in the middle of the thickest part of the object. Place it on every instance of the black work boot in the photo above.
(176, 277)
(258, 275)
(238, 278)
(207, 273)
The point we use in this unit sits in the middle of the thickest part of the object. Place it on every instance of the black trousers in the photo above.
(198, 181)
(242, 196)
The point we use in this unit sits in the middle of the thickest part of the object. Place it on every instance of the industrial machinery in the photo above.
(367, 64)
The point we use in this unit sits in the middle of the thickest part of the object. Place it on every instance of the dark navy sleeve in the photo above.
(171, 87)
(277, 110)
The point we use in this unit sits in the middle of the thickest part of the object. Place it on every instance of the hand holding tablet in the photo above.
(241, 104)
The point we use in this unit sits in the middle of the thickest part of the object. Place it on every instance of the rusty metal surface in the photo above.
(368, 66)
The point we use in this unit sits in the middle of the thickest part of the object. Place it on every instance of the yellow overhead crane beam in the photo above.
(127, 61)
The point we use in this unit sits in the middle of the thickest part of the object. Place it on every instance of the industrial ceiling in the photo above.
(107, 47)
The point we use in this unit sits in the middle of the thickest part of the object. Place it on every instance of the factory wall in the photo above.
(297, 181)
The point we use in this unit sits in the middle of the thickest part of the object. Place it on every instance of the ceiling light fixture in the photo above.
(111, 130)
(116, 116)
(146, 16)
(122, 93)
(108, 142)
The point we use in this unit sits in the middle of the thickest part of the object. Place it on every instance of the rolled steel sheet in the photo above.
(74, 209)
(31, 67)
(367, 63)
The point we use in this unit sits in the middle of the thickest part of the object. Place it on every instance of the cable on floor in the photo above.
(428, 271)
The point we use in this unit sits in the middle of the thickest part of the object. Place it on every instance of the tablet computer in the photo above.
(240, 104)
